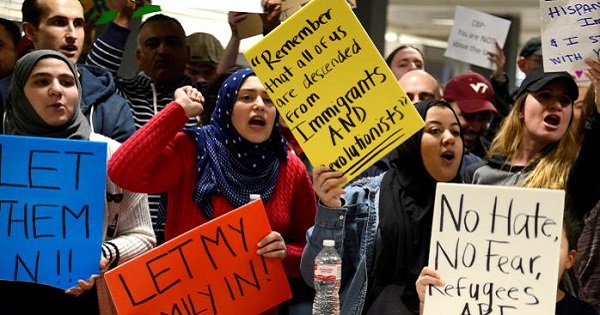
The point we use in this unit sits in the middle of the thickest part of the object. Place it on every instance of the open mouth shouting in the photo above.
(552, 121)
(448, 157)
(257, 121)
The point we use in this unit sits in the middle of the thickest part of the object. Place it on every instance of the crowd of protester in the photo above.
(193, 134)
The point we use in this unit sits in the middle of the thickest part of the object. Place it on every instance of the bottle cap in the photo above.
(254, 196)
(329, 243)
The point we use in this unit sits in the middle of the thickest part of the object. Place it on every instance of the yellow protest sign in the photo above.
(333, 88)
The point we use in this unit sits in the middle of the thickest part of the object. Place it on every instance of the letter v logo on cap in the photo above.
(479, 88)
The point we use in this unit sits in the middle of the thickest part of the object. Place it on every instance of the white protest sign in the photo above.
(250, 6)
(475, 33)
(496, 248)
(570, 33)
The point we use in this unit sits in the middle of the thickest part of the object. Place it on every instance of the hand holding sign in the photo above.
(51, 209)
(126, 12)
(104, 11)
(427, 277)
(498, 59)
(83, 285)
(569, 33)
(272, 246)
(593, 73)
(333, 88)
(474, 34)
(327, 186)
(270, 18)
(500, 244)
(213, 268)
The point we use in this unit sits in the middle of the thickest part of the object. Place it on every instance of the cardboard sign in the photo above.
(333, 88)
(104, 11)
(570, 33)
(52, 195)
(250, 26)
(496, 249)
(289, 7)
(475, 33)
(212, 269)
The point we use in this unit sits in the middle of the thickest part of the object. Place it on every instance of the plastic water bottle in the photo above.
(327, 280)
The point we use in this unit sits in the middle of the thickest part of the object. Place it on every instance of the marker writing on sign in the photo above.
(271, 58)
(27, 268)
(39, 170)
(186, 261)
(39, 221)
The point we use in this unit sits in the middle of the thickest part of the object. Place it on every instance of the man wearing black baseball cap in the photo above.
(530, 56)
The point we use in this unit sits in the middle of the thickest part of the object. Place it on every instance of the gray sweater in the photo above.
(128, 220)
(495, 171)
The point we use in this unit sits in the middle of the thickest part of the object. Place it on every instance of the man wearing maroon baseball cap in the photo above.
(471, 96)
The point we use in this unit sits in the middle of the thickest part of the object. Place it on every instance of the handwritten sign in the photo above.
(570, 33)
(212, 269)
(104, 11)
(475, 33)
(496, 249)
(581, 79)
(333, 88)
(51, 209)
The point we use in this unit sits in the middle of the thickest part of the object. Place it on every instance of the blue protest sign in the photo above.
(51, 209)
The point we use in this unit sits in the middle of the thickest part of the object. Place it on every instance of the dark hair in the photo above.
(571, 225)
(161, 18)
(211, 91)
(586, 111)
(31, 12)
(390, 57)
(13, 30)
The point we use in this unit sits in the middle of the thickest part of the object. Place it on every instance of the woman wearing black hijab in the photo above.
(382, 225)
(43, 101)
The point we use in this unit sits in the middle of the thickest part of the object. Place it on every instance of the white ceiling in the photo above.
(415, 17)
(407, 17)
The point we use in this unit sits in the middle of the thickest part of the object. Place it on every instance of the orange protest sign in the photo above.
(212, 269)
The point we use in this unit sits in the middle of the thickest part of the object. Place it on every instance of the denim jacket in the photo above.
(354, 229)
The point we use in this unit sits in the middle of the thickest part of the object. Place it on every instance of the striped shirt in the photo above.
(146, 98)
